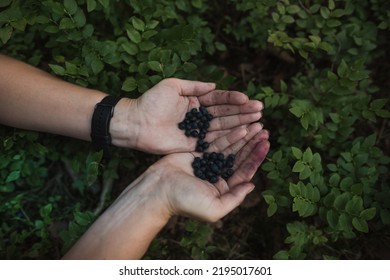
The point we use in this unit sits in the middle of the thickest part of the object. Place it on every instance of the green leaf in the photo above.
(91, 5)
(105, 3)
(133, 35)
(305, 173)
(13, 176)
(296, 152)
(325, 13)
(368, 214)
(331, 5)
(341, 200)
(346, 183)
(129, 84)
(268, 166)
(79, 18)
(70, 6)
(155, 66)
(360, 224)
(272, 208)
(342, 69)
(269, 199)
(298, 167)
(57, 69)
(138, 23)
(332, 218)
(293, 9)
(334, 180)
(277, 156)
(130, 48)
(307, 155)
(378, 103)
(297, 111)
(354, 206)
(97, 65)
(147, 46)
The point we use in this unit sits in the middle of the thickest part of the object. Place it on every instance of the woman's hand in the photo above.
(168, 188)
(152, 121)
(190, 196)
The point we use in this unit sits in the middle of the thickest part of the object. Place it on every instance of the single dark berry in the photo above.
(188, 133)
(194, 111)
(182, 125)
(200, 142)
(220, 156)
(203, 110)
(213, 156)
(202, 135)
(194, 133)
(213, 179)
(206, 145)
(206, 155)
(225, 176)
(199, 149)
(215, 168)
(229, 171)
(231, 157)
(229, 164)
(209, 117)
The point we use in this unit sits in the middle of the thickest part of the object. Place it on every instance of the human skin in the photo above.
(168, 188)
(34, 100)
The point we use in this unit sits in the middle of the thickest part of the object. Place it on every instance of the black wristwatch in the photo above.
(100, 125)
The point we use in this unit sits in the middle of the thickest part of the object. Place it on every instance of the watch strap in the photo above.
(100, 125)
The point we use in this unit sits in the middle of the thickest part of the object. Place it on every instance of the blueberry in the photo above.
(188, 115)
(200, 142)
(206, 155)
(188, 133)
(219, 163)
(182, 125)
(194, 111)
(215, 168)
(194, 133)
(205, 145)
(198, 173)
(209, 117)
(225, 176)
(203, 110)
(220, 156)
(229, 164)
(199, 149)
(230, 171)
(213, 156)
(194, 125)
(213, 179)
(231, 157)
(202, 135)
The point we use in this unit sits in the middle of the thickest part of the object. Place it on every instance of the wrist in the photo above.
(125, 125)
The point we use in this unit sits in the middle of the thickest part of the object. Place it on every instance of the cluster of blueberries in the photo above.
(211, 165)
(196, 124)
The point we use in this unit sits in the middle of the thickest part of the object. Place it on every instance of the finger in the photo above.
(227, 122)
(228, 201)
(223, 142)
(253, 130)
(187, 87)
(218, 97)
(251, 106)
(249, 166)
(245, 150)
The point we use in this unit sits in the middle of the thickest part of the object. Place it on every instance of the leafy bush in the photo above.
(317, 65)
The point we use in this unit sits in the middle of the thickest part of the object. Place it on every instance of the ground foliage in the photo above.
(320, 67)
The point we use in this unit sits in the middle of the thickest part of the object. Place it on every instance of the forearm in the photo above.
(128, 226)
(34, 100)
